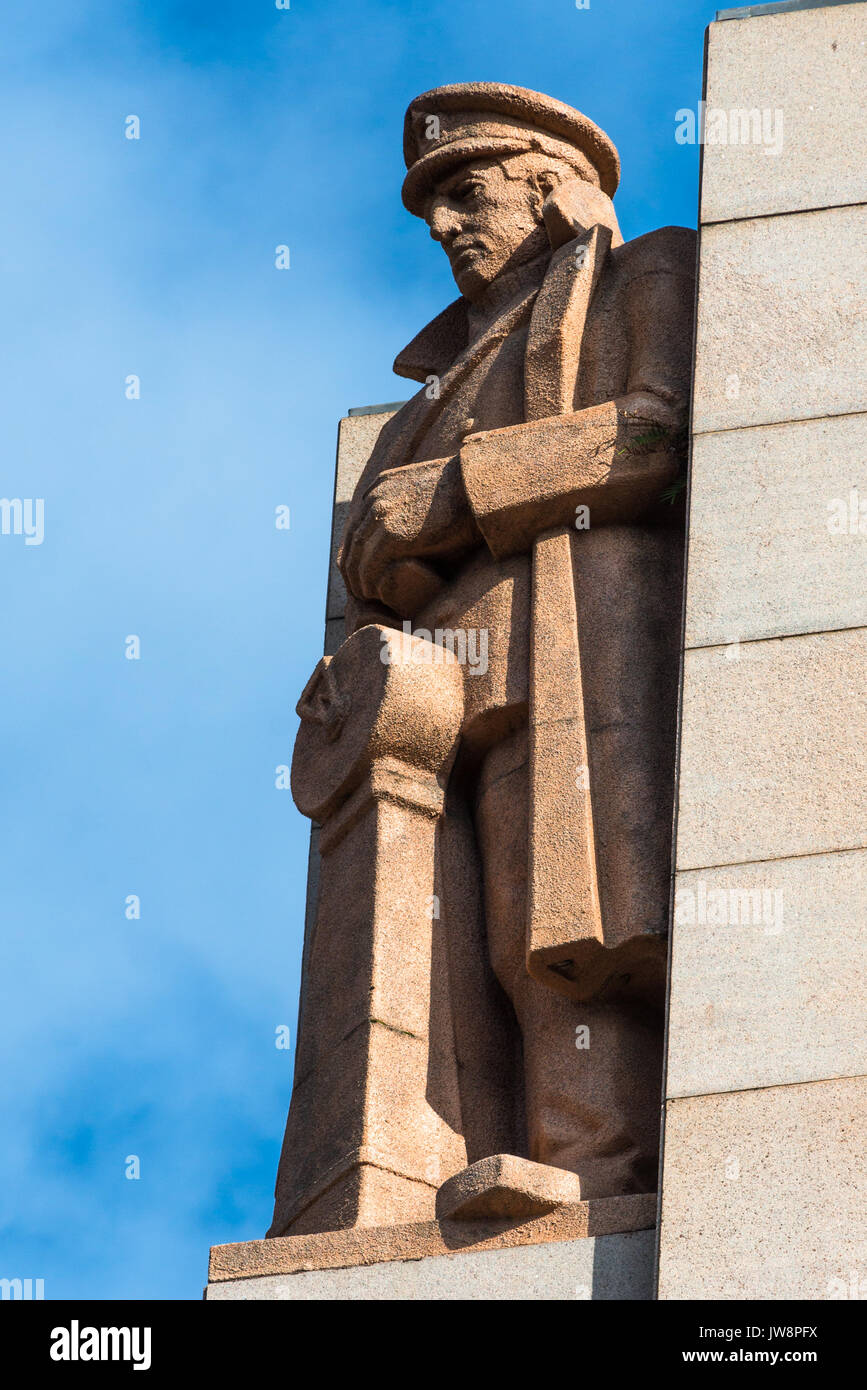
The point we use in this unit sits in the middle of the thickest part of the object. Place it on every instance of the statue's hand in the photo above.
(418, 512)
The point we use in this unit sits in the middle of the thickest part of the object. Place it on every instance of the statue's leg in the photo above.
(486, 1034)
(592, 1071)
(592, 1075)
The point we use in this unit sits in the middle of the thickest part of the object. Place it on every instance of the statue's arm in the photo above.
(615, 458)
(406, 520)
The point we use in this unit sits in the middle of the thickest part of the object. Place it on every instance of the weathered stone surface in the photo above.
(458, 1006)
(359, 1246)
(335, 635)
(774, 541)
(374, 1124)
(763, 1193)
(772, 749)
(807, 67)
(765, 980)
(762, 1173)
(781, 331)
(506, 1187)
(356, 437)
(604, 1267)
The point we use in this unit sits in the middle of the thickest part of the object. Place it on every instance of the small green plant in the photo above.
(673, 491)
(675, 442)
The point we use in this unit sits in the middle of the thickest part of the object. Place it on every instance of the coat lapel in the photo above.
(420, 412)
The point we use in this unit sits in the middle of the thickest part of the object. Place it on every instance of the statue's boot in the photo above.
(504, 1187)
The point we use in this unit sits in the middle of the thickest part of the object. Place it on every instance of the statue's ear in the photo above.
(573, 208)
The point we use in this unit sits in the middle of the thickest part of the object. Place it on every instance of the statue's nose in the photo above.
(443, 223)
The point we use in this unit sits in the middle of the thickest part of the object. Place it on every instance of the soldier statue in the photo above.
(529, 497)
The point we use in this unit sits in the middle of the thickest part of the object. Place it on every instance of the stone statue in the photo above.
(490, 754)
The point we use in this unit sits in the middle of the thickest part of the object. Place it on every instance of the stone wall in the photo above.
(766, 1094)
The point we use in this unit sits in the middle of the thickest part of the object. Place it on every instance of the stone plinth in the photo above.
(599, 1249)
(616, 1267)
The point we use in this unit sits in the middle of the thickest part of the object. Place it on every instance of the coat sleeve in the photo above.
(614, 458)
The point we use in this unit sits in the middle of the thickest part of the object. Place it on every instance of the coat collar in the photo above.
(415, 417)
(434, 349)
(446, 338)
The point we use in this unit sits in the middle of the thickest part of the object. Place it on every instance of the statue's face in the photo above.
(487, 221)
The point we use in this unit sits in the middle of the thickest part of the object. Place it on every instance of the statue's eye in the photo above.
(465, 191)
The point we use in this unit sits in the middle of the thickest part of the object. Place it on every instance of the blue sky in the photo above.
(155, 777)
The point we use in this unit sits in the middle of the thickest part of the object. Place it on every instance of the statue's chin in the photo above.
(471, 283)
